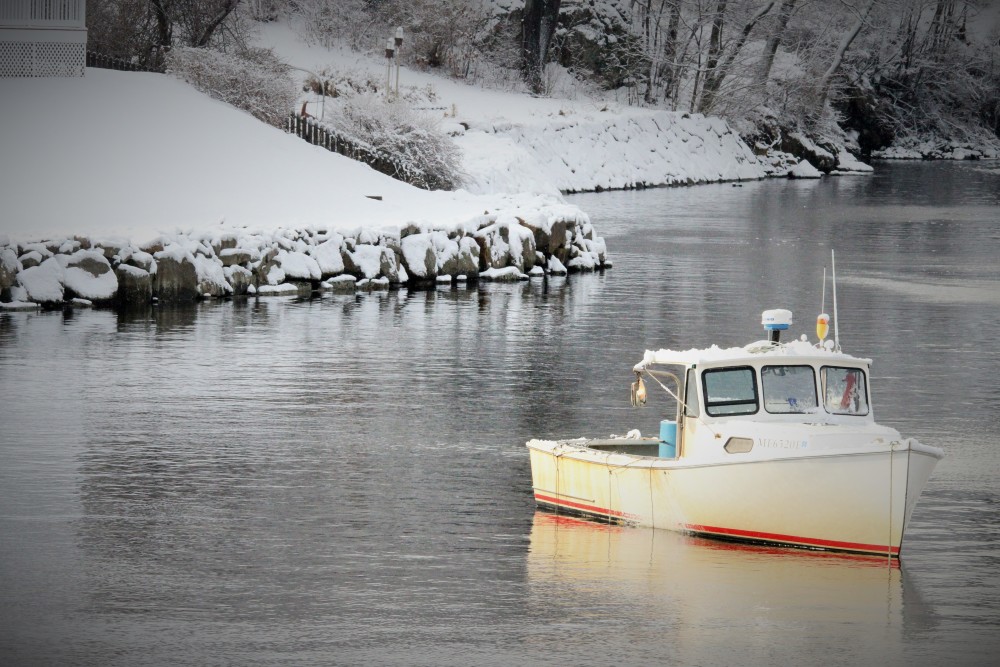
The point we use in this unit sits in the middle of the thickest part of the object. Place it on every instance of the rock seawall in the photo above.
(510, 245)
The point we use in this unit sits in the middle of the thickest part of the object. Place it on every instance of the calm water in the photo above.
(344, 480)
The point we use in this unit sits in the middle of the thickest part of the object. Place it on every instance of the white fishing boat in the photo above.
(772, 443)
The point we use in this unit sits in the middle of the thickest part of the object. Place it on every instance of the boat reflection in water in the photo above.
(717, 602)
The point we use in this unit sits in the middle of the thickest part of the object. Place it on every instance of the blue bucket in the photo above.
(668, 439)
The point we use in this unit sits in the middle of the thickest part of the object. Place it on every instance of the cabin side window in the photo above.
(845, 391)
(691, 394)
(788, 389)
(730, 391)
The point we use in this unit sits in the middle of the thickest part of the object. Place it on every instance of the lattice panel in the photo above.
(19, 59)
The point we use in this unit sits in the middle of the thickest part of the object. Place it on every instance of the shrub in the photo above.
(255, 80)
(423, 154)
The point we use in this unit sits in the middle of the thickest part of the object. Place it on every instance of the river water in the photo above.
(344, 480)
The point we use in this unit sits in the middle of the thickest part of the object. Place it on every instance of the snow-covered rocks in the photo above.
(135, 285)
(804, 170)
(10, 266)
(87, 274)
(502, 245)
(507, 243)
(176, 275)
(933, 148)
(43, 283)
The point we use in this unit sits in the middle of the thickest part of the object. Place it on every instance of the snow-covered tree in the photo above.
(254, 80)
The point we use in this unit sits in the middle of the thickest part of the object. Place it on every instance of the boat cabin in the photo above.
(779, 387)
(767, 385)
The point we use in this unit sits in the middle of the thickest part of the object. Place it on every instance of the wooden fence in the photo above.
(323, 136)
(101, 61)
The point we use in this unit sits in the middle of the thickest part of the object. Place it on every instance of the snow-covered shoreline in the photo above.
(193, 197)
(125, 187)
(508, 246)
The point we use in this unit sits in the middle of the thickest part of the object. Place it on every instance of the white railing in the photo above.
(43, 13)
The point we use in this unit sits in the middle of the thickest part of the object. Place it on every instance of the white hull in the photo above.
(854, 500)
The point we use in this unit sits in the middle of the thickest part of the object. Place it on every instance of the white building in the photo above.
(43, 37)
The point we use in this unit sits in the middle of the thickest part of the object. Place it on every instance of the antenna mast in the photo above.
(822, 299)
(836, 317)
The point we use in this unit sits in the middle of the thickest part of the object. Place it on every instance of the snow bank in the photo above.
(131, 156)
(610, 149)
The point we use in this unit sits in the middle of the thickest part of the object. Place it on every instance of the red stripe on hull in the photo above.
(582, 507)
(734, 533)
(793, 539)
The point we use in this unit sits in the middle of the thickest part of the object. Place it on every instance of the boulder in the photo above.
(176, 276)
(10, 266)
(510, 274)
(40, 248)
(365, 261)
(506, 243)
(109, 248)
(298, 266)
(372, 284)
(211, 277)
(284, 289)
(135, 285)
(240, 279)
(142, 260)
(328, 257)
(805, 148)
(389, 265)
(419, 256)
(464, 260)
(43, 283)
(542, 231)
(67, 247)
(804, 170)
(269, 273)
(153, 247)
(587, 255)
(235, 256)
(343, 283)
(30, 259)
(88, 275)
(559, 239)
(225, 242)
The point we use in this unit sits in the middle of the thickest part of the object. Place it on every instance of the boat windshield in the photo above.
(789, 389)
(844, 390)
(730, 391)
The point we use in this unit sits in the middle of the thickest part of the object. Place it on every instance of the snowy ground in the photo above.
(513, 142)
(137, 155)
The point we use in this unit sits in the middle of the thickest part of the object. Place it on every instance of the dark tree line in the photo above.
(144, 30)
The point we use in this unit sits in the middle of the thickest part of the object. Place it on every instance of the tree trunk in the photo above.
(202, 38)
(838, 58)
(537, 27)
(771, 45)
(717, 72)
(164, 24)
(670, 49)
